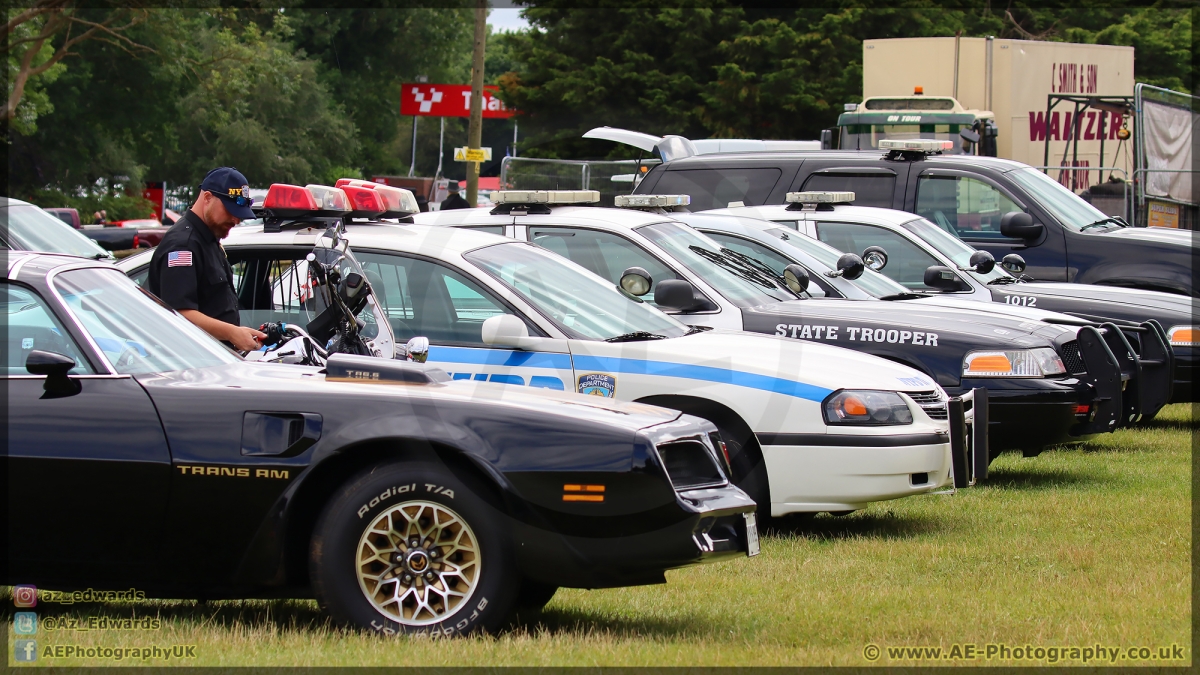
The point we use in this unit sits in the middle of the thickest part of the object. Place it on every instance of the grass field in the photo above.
(1079, 547)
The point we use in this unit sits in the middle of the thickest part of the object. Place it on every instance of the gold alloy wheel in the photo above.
(418, 562)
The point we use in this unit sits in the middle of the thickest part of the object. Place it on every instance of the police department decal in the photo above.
(598, 384)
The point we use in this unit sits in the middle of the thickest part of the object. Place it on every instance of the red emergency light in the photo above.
(293, 201)
(398, 202)
(364, 202)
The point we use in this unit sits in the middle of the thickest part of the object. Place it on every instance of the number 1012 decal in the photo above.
(1023, 300)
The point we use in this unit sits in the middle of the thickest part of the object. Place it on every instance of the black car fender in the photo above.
(1151, 276)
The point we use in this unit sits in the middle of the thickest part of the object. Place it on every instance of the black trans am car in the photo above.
(143, 453)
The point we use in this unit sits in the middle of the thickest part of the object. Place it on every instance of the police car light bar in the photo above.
(819, 198)
(397, 202)
(927, 145)
(651, 201)
(546, 197)
(292, 201)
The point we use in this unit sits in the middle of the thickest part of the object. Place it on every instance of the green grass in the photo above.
(1080, 546)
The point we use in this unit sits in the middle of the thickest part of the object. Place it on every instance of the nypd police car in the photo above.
(928, 259)
(403, 501)
(1035, 400)
(808, 427)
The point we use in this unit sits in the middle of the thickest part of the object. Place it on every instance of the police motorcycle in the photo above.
(337, 299)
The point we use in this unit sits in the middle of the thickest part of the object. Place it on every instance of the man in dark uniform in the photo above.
(455, 200)
(189, 270)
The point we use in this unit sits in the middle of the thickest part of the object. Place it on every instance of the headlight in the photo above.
(1184, 336)
(872, 408)
(1016, 363)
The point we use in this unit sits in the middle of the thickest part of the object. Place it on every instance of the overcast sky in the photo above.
(504, 19)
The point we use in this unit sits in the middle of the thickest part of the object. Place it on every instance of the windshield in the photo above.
(136, 333)
(867, 136)
(1066, 206)
(951, 247)
(872, 282)
(581, 304)
(707, 260)
(32, 229)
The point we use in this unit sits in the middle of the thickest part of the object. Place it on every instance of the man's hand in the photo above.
(241, 337)
(245, 338)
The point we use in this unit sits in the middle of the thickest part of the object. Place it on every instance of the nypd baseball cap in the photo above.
(230, 185)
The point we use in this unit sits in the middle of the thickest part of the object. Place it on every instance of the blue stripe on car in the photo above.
(513, 358)
(703, 373)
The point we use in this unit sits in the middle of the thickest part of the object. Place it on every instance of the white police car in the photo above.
(809, 427)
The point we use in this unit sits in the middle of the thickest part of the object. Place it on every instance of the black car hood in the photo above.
(1158, 235)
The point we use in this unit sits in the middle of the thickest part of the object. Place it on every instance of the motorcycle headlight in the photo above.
(1040, 362)
(863, 407)
(1184, 336)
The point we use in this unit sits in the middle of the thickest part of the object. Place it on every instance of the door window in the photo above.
(31, 325)
(716, 188)
(874, 189)
(422, 298)
(604, 254)
(965, 207)
(906, 261)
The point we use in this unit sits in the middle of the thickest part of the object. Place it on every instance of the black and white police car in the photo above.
(405, 502)
(929, 259)
(808, 427)
(1035, 400)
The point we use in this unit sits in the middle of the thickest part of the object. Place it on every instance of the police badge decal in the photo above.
(598, 384)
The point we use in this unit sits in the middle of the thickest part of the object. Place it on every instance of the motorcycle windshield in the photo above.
(376, 330)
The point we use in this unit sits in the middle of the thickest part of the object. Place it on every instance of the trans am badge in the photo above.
(598, 384)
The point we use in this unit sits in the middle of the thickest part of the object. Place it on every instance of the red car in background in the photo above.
(121, 235)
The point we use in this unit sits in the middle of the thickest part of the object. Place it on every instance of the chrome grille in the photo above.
(1073, 359)
(931, 402)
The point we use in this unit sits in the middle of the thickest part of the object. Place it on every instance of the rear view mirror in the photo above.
(504, 330)
(795, 278)
(850, 266)
(875, 257)
(942, 278)
(636, 281)
(1013, 263)
(969, 135)
(681, 296)
(1020, 225)
(982, 262)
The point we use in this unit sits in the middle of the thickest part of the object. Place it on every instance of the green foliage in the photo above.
(728, 71)
(119, 205)
(34, 102)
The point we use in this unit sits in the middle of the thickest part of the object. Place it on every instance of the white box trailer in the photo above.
(1015, 87)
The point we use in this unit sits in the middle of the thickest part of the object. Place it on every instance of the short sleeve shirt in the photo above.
(189, 270)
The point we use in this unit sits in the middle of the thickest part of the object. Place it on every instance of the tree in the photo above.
(30, 37)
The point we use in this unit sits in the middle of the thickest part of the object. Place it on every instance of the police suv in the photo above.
(997, 205)
(808, 427)
(1035, 401)
(928, 259)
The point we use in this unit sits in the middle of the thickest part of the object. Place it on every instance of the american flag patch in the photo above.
(179, 259)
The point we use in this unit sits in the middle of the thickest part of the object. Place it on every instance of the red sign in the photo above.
(155, 191)
(449, 100)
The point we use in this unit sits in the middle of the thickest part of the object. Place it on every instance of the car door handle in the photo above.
(279, 434)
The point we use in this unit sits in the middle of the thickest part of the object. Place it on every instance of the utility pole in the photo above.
(475, 128)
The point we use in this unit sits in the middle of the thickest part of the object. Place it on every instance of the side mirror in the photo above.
(417, 349)
(681, 296)
(504, 330)
(968, 134)
(1013, 263)
(850, 266)
(1020, 225)
(55, 367)
(795, 278)
(942, 278)
(982, 262)
(875, 257)
(636, 281)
